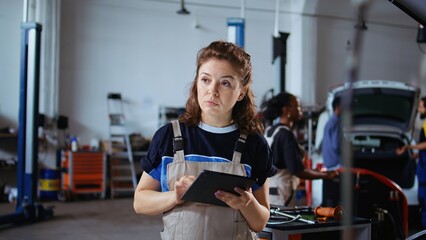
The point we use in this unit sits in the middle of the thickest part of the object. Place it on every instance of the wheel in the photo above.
(65, 196)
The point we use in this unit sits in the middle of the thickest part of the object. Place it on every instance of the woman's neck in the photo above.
(216, 121)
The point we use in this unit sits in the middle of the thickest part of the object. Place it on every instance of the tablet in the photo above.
(208, 182)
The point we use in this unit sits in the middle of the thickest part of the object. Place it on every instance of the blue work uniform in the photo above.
(332, 160)
(421, 176)
(331, 143)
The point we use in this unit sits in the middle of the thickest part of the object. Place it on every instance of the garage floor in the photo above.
(89, 219)
(86, 219)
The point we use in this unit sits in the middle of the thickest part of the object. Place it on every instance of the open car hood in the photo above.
(390, 104)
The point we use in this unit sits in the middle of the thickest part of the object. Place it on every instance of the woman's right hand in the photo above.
(181, 186)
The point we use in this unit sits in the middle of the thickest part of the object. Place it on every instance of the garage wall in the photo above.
(10, 36)
(146, 51)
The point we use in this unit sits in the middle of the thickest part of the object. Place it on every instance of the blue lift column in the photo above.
(27, 207)
(236, 31)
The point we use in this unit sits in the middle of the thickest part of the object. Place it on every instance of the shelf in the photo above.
(8, 135)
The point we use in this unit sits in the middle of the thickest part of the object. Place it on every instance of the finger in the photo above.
(224, 196)
(230, 199)
(190, 179)
(245, 196)
(220, 195)
(187, 180)
(240, 191)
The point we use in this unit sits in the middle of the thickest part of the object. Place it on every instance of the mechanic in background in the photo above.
(332, 156)
(421, 164)
(287, 153)
(331, 141)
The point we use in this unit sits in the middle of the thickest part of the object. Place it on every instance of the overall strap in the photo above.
(177, 142)
(270, 139)
(239, 148)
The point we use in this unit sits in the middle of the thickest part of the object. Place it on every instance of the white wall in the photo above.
(146, 51)
(388, 47)
(10, 24)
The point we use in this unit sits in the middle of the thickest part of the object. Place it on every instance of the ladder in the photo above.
(122, 174)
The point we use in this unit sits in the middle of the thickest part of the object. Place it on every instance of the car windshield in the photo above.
(383, 106)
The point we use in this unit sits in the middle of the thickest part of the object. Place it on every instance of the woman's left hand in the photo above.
(235, 201)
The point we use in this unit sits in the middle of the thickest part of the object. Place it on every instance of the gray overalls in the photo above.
(197, 221)
(283, 184)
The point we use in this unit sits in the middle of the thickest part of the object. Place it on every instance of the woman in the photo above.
(288, 155)
(219, 112)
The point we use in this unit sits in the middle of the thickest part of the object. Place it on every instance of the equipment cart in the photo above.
(83, 172)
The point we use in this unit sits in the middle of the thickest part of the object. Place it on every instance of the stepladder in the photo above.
(122, 170)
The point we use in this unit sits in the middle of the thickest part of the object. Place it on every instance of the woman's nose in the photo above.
(213, 90)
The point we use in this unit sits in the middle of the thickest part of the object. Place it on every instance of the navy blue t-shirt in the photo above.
(206, 143)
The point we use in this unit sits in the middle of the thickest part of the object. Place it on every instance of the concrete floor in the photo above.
(86, 219)
(90, 219)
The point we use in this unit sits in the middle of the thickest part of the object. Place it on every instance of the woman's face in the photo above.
(295, 109)
(218, 88)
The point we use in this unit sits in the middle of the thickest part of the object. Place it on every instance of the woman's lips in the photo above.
(211, 103)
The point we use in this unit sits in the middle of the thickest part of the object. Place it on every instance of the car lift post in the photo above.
(27, 208)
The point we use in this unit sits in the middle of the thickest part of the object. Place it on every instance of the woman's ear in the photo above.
(241, 96)
(286, 112)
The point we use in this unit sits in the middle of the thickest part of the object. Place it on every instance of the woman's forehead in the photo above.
(219, 66)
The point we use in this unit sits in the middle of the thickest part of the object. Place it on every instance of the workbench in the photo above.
(312, 229)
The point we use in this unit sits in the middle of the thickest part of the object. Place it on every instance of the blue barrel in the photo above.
(49, 184)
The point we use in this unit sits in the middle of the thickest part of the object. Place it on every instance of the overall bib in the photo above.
(286, 185)
(197, 221)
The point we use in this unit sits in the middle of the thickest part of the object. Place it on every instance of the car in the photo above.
(383, 117)
(383, 113)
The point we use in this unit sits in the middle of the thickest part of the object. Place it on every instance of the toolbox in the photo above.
(83, 172)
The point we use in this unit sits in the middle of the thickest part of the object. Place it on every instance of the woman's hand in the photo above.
(235, 201)
(181, 186)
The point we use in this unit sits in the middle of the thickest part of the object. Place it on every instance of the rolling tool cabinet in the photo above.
(83, 172)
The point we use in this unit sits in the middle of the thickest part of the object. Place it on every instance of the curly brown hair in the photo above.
(244, 111)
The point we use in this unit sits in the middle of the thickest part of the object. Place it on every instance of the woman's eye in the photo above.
(205, 80)
(226, 84)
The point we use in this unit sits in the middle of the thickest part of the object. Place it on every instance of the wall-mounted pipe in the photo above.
(25, 12)
(183, 10)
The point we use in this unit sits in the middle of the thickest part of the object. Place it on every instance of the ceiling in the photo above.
(377, 11)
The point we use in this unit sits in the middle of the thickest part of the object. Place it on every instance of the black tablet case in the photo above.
(208, 182)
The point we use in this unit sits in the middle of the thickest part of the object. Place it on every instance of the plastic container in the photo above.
(74, 144)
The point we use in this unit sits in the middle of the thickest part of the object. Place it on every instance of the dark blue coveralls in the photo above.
(421, 176)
